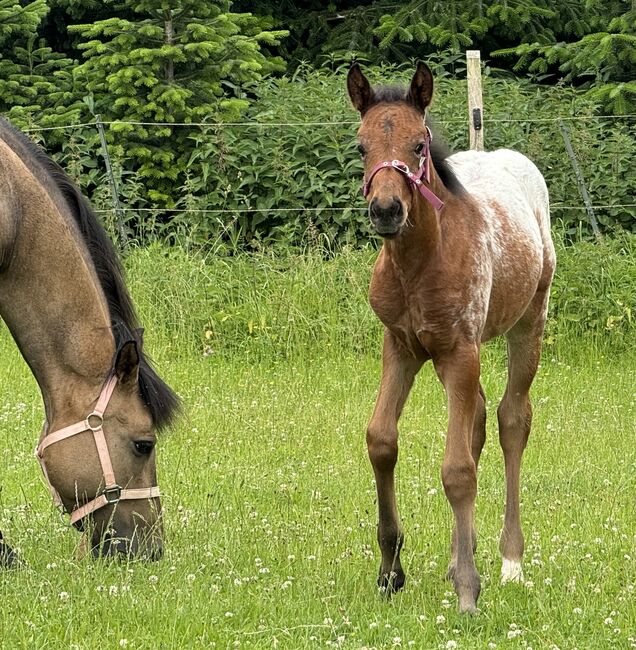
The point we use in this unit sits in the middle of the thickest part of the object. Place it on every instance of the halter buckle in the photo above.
(112, 494)
(400, 166)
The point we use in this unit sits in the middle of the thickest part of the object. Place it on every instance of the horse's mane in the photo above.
(440, 151)
(161, 401)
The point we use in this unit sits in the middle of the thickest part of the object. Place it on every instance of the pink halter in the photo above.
(415, 178)
(112, 492)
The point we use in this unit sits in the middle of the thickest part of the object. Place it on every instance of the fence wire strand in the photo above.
(220, 125)
(354, 208)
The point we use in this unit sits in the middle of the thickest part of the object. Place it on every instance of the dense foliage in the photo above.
(277, 162)
(590, 43)
(272, 179)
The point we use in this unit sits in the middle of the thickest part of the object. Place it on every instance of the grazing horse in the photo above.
(63, 298)
(467, 255)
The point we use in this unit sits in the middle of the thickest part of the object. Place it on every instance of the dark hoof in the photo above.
(8, 557)
(391, 583)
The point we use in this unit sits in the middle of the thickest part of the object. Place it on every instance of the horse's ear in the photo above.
(359, 89)
(127, 364)
(421, 90)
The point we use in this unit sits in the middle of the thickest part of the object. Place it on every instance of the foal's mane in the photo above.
(161, 401)
(440, 151)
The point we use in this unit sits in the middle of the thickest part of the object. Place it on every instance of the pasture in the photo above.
(269, 499)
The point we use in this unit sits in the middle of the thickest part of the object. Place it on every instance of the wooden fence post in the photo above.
(475, 103)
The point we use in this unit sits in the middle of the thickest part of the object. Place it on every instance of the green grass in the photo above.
(269, 496)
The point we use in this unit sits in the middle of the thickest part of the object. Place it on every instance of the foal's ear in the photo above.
(421, 90)
(127, 364)
(359, 89)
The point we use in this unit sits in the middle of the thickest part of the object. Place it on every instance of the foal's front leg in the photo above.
(459, 372)
(398, 371)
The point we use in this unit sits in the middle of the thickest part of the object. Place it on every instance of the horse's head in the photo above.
(99, 457)
(394, 144)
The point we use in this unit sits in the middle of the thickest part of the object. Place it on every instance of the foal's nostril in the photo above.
(396, 207)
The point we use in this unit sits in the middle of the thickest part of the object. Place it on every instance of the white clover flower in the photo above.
(441, 619)
(64, 596)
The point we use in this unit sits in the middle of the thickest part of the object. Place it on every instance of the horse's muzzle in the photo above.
(138, 543)
(387, 217)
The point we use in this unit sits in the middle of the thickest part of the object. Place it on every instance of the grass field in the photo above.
(270, 509)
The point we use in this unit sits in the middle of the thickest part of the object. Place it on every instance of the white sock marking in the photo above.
(511, 571)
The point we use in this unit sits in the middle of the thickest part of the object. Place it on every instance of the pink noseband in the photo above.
(414, 178)
(112, 492)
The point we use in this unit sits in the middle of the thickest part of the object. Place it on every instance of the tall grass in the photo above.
(287, 304)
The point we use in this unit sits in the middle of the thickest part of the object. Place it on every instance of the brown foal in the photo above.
(467, 256)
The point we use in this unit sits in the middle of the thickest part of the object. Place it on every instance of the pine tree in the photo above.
(36, 84)
(601, 57)
(178, 61)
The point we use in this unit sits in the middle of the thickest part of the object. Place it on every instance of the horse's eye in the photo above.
(419, 148)
(144, 447)
(361, 150)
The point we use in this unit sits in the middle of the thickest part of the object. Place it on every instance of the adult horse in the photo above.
(467, 256)
(63, 297)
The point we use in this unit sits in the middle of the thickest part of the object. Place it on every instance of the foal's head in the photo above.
(393, 129)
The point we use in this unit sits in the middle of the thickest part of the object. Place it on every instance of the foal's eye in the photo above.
(144, 447)
(361, 150)
(419, 148)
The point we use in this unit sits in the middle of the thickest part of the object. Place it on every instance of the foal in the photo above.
(467, 256)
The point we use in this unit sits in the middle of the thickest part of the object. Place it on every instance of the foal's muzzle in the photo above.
(387, 216)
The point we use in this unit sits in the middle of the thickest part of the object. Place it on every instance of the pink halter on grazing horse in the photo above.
(467, 256)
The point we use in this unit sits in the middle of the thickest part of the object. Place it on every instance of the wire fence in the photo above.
(120, 211)
(563, 118)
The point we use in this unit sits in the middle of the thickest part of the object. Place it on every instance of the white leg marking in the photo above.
(511, 571)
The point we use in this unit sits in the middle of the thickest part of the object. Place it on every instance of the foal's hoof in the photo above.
(468, 607)
(392, 582)
(468, 594)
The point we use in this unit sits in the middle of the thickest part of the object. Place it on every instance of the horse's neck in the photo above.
(50, 297)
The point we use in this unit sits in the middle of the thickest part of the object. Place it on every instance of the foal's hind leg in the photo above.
(515, 418)
(478, 440)
(398, 372)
